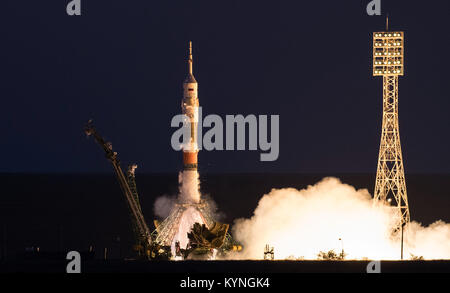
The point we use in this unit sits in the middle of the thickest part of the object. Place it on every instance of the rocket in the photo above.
(189, 107)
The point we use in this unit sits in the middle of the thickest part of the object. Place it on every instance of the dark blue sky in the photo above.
(122, 63)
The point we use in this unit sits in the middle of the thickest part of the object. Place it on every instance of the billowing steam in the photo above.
(182, 212)
(432, 242)
(331, 215)
(189, 187)
(299, 224)
(189, 192)
(163, 205)
(212, 208)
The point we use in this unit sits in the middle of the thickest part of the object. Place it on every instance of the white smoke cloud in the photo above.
(213, 209)
(187, 220)
(189, 192)
(432, 242)
(302, 223)
(185, 203)
(163, 205)
(189, 187)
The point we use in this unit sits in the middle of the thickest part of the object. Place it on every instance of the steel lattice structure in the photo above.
(390, 185)
(166, 230)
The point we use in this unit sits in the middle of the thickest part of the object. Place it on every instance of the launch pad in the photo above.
(190, 228)
(190, 224)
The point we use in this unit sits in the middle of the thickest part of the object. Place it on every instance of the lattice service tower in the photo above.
(388, 62)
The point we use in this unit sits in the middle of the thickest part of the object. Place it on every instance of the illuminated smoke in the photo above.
(189, 192)
(163, 205)
(185, 203)
(432, 242)
(188, 219)
(212, 208)
(189, 187)
(301, 223)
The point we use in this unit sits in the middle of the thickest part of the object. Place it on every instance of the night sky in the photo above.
(122, 63)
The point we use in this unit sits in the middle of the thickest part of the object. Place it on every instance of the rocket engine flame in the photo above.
(331, 215)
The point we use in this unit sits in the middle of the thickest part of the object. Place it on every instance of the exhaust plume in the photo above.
(189, 187)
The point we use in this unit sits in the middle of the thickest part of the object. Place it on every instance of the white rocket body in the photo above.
(189, 107)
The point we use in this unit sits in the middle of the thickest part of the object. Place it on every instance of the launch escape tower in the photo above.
(388, 62)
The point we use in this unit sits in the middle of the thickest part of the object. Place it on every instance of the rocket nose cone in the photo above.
(190, 79)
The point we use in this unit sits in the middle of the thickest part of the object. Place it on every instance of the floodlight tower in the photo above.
(390, 185)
